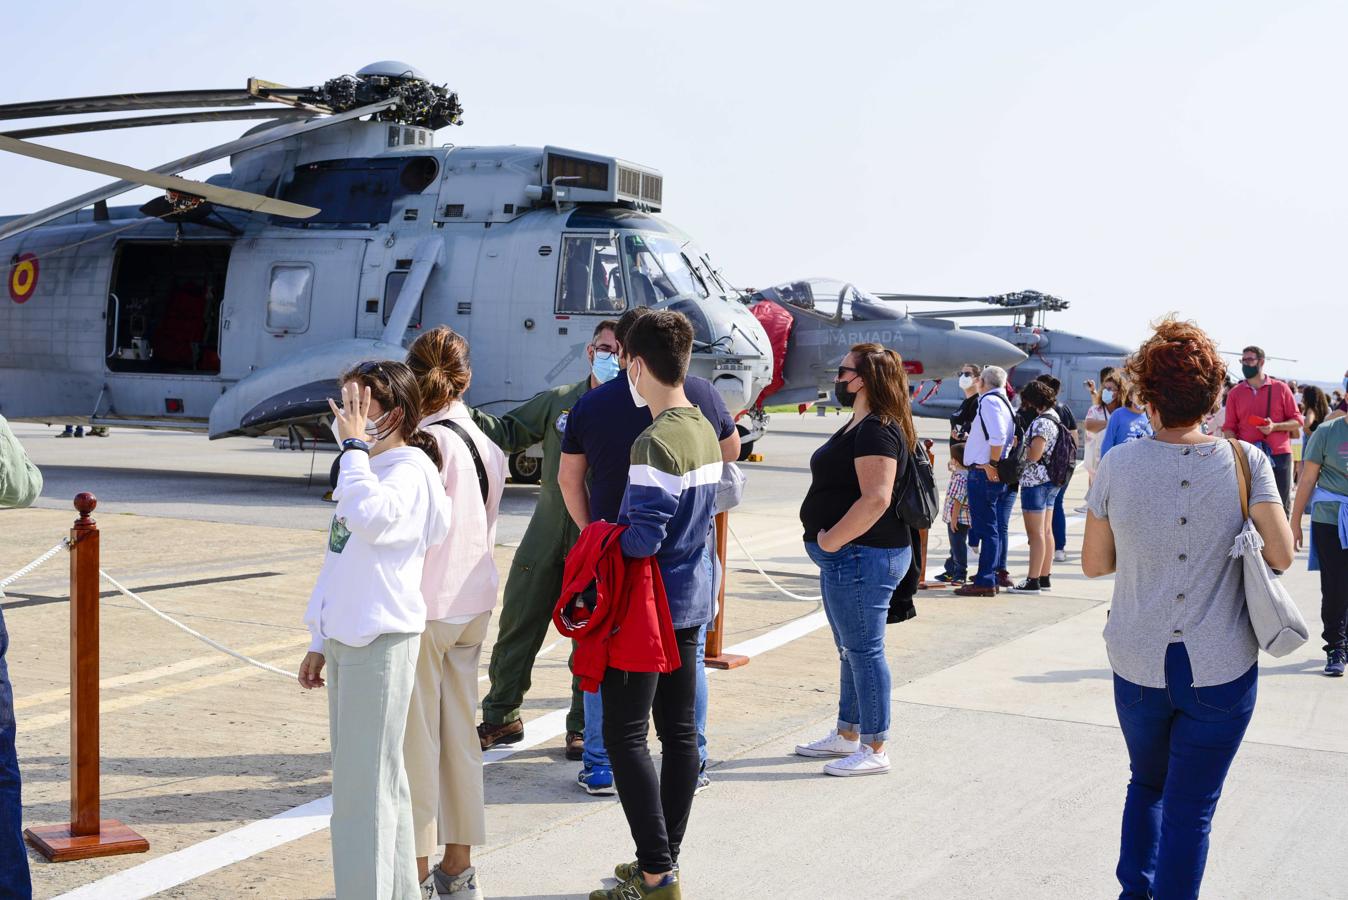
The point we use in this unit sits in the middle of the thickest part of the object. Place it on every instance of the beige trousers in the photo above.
(441, 749)
(368, 692)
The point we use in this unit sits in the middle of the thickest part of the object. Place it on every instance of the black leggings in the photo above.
(1333, 584)
(656, 808)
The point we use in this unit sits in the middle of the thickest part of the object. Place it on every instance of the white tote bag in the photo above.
(1278, 625)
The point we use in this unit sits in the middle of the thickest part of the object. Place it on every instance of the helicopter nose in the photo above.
(984, 349)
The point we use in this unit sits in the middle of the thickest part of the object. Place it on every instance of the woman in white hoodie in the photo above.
(366, 615)
(460, 584)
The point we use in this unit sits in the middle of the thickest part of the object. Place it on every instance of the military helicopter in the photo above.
(812, 323)
(1071, 358)
(229, 306)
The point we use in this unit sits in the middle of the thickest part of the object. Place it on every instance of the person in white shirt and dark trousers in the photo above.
(990, 436)
(366, 615)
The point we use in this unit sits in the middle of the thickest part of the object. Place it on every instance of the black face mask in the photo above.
(1249, 371)
(843, 391)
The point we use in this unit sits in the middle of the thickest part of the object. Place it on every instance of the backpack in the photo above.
(917, 503)
(1008, 467)
(1062, 459)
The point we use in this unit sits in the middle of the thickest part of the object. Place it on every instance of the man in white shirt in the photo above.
(990, 435)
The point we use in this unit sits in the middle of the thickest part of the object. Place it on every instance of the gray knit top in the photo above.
(1175, 512)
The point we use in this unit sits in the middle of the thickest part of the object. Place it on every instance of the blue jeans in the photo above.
(1038, 497)
(986, 499)
(1006, 504)
(1181, 741)
(957, 563)
(1060, 518)
(595, 752)
(14, 878)
(857, 583)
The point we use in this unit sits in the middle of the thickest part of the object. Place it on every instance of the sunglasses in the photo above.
(842, 369)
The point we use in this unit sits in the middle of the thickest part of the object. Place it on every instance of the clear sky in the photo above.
(1134, 158)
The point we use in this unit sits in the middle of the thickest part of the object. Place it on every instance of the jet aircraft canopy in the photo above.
(834, 299)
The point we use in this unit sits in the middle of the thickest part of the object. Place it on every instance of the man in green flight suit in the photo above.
(535, 578)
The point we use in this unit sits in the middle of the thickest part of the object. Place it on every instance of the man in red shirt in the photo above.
(1262, 411)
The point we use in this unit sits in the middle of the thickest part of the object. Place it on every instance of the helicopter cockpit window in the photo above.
(659, 270)
(288, 298)
(358, 191)
(589, 279)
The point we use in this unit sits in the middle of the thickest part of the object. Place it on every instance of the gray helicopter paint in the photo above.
(487, 280)
(825, 328)
(1071, 358)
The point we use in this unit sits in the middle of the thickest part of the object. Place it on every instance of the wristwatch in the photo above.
(355, 444)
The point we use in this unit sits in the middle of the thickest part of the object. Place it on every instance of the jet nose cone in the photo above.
(987, 350)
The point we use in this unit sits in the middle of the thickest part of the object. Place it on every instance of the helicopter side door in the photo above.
(286, 294)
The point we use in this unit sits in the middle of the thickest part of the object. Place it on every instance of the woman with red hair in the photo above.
(1163, 514)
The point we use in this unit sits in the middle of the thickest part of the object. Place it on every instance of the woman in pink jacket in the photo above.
(459, 582)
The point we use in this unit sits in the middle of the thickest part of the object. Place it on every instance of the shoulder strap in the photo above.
(472, 449)
(1268, 407)
(1242, 476)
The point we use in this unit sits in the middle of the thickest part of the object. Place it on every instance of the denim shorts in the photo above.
(1038, 497)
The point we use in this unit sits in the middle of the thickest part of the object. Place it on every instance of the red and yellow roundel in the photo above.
(23, 278)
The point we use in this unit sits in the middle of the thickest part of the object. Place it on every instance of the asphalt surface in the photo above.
(1009, 767)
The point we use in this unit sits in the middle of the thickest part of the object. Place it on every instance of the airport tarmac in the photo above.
(1009, 768)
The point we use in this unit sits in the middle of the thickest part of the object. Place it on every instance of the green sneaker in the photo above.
(635, 888)
(624, 871)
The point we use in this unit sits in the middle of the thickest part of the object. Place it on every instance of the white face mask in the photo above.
(1106, 396)
(632, 386)
(373, 426)
(966, 381)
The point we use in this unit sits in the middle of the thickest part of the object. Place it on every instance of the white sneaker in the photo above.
(1060, 556)
(864, 762)
(833, 745)
(460, 887)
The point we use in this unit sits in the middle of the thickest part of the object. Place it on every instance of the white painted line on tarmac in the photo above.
(181, 866)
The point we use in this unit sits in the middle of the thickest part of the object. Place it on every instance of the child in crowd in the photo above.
(667, 508)
(955, 514)
(460, 584)
(366, 615)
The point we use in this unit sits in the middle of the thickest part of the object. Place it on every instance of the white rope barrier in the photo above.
(196, 634)
(793, 596)
(6, 582)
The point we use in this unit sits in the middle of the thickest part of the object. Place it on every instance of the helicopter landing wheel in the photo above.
(746, 447)
(525, 469)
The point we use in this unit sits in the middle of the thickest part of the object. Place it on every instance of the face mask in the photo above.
(966, 382)
(604, 368)
(1249, 371)
(632, 380)
(1106, 396)
(843, 391)
(1345, 384)
(374, 426)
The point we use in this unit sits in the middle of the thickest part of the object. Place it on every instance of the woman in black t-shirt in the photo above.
(861, 548)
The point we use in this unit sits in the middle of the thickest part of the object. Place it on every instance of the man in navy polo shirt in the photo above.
(600, 432)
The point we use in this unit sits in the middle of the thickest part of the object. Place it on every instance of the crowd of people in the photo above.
(619, 556)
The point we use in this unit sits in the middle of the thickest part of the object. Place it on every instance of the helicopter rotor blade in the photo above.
(929, 298)
(973, 313)
(248, 142)
(218, 115)
(256, 91)
(222, 196)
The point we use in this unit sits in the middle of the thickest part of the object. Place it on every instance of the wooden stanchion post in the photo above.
(712, 655)
(87, 835)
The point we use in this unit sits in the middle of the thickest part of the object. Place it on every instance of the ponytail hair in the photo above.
(439, 360)
(394, 386)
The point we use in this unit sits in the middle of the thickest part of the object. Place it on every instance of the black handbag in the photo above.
(1008, 467)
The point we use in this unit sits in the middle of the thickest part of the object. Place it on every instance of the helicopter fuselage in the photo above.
(228, 323)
